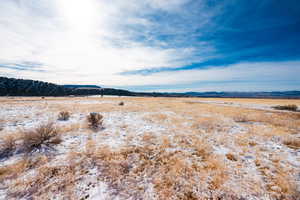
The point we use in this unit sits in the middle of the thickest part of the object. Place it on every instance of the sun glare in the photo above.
(79, 14)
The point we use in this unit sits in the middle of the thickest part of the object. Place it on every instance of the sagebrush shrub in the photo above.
(95, 120)
(231, 157)
(64, 115)
(44, 135)
(291, 107)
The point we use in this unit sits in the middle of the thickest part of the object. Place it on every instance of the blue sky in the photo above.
(154, 45)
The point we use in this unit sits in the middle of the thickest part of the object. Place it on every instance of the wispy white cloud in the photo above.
(73, 37)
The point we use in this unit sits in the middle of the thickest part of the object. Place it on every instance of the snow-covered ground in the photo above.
(152, 149)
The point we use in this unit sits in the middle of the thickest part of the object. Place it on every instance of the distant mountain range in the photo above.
(21, 87)
(275, 94)
(82, 86)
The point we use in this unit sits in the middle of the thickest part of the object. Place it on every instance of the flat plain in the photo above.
(148, 148)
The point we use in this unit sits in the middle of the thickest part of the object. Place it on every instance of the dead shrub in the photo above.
(290, 107)
(95, 121)
(64, 115)
(231, 157)
(7, 146)
(121, 103)
(43, 136)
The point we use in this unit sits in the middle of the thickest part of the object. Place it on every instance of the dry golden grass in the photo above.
(7, 146)
(209, 124)
(293, 143)
(241, 118)
(72, 127)
(49, 180)
(13, 170)
(174, 174)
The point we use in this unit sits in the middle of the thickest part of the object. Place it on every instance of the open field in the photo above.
(149, 148)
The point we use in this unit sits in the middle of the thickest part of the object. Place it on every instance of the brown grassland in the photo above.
(148, 148)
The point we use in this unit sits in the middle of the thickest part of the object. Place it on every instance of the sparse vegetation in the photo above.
(95, 121)
(64, 116)
(40, 138)
(291, 107)
(162, 149)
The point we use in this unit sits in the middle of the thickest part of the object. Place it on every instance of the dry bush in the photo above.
(95, 121)
(231, 157)
(293, 143)
(43, 136)
(121, 103)
(290, 107)
(7, 146)
(64, 115)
